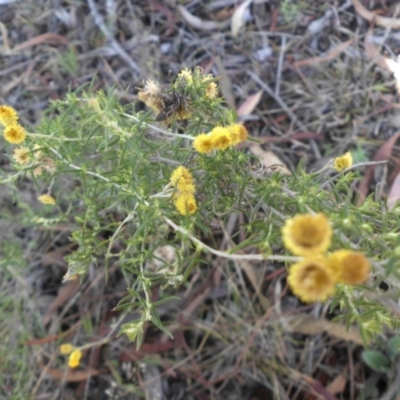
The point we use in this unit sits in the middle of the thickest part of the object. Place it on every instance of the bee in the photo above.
(168, 101)
(175, 104)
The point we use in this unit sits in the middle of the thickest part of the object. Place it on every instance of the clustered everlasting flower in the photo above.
(343, 162)
(8, 116)
(314, 278)
(220, 138)
(13, 132)
(184, 200)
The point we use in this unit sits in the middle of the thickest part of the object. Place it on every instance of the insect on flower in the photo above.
(169, 101)
(175, 104)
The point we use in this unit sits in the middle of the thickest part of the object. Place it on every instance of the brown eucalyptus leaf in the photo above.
(248, 106)
(238, 20)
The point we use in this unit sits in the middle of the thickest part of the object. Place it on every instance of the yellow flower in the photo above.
(8, 116)
(238, 133)
(21, 155)
(349, 267)
(181, 178)
(14, 134)
(204, 143)
(307, 234)
(188, 188)
(311, 279)
(221, 137)
(343, 162)
(186, 74)
(211, 90)
(75, 358)
(66, 348)
(38, 171)
(185, 203)
(47, 199)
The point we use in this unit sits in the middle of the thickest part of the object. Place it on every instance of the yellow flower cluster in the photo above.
(13, 132)
(343, 162)
(75, 354)
(314, 278)
(220, 138)
(184, 200)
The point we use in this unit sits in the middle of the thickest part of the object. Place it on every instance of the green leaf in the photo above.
(394, 347)
(376, 360)
(127, 305)
(155, 319)
(165, 300)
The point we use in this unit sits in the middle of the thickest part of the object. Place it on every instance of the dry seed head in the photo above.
(21, 155)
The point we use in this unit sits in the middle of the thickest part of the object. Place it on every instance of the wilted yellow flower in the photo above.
(48, 164)
(307, 234)
(38, 171)
(47, 199)
(181, 178)
(185, 203)
(21, 155)
(311, 279)
(349, 267)
(151, 95)
(75, 358)
(66, 348)
(221, 137)
(204, 143)
(186, 74)
(343, 162)
(238, 133)
(8, 116)
(14, 134)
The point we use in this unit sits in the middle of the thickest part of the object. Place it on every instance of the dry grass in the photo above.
(232, 341)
